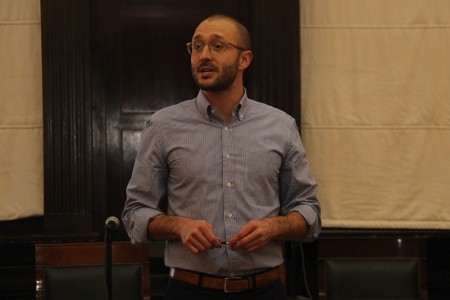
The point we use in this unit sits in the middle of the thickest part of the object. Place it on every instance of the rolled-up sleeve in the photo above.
(146, 190)
(297, 186)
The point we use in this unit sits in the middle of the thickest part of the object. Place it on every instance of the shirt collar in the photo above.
(204, 107)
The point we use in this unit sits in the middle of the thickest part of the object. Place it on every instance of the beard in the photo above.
(221, 83)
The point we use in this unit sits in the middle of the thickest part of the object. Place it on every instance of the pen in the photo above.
(224, 243)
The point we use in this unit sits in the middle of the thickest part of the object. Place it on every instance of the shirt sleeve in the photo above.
(297, 186)
(146, 190)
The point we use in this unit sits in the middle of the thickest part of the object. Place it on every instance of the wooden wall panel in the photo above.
(148, 67)
(108, 65)
(67, 116)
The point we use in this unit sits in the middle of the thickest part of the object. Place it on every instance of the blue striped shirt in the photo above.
(191, 163)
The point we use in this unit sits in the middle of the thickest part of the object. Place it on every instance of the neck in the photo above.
(224, 101)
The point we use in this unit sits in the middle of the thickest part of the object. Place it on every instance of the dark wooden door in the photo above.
(109, 64)
(144, 65)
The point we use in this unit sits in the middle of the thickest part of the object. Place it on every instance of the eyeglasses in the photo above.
(215, 46)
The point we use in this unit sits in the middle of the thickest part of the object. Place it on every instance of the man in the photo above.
(222, 178)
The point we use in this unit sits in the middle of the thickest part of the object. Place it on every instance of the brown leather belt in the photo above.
(227, 284)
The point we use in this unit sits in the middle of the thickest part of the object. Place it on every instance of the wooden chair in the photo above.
(75, 271)
(372, 268)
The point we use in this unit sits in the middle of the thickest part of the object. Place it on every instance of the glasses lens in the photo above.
(197, 47)
(218, 46)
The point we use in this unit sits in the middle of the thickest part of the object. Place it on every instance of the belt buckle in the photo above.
(225, 286)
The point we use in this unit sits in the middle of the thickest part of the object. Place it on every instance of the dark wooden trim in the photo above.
(276, 43)
(380, 233)
(67, 116)
(20, 229)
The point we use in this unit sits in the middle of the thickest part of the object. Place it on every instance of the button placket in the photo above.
(229, 181)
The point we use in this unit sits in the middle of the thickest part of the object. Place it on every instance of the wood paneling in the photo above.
(143, 66)
(67, 116)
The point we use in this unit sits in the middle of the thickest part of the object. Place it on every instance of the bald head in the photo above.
(242, 34)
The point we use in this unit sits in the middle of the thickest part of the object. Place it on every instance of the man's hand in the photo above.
(253, 236)
(196, 235)
(257, 233)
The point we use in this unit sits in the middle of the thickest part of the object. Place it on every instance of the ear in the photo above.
(245, 59)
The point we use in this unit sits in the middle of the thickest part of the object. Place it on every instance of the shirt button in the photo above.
(227, 155)
(230, 215)
(229, 184)
(225, 128)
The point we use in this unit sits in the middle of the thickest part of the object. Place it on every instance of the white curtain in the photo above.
(376, 110)
(21, 136)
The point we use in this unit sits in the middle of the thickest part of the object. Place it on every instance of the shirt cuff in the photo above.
(139, 231)
(313, 221)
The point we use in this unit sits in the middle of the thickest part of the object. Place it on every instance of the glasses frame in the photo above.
(227, 44)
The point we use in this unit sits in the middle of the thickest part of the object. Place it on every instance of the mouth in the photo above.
(206, 69)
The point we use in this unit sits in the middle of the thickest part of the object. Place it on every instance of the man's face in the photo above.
(214, 71)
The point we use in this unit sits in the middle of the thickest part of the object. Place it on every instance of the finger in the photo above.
(216, 242)
(212, 241)
(191, 247)
(248, 241)
(209, 240)
(203, 241)
(242, 235)
(241, 243)
(194, 243)
(253, 241)
(199, 245)
(239, 236)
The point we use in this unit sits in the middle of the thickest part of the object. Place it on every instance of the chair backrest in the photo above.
(76, 271)
(371, 268)
(372, 279)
